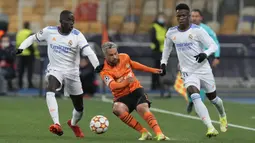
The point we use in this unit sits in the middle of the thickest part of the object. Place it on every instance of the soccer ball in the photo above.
(99, 124)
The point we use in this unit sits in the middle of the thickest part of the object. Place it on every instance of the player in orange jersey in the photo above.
(127, 91)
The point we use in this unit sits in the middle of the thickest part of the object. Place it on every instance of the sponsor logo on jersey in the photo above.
(60, 49)
(183, 46)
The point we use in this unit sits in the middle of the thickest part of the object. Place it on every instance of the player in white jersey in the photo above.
(64, 46)
(189, 40)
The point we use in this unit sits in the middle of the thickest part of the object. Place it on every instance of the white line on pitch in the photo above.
(186, 116)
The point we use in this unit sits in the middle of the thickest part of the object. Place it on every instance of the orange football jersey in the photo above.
(119, 73)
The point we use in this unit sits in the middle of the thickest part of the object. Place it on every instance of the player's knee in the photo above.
(118, 109)
(192, 89)
(211, 95)
(142, 108)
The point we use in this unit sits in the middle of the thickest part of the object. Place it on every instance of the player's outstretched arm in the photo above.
(26, 43)
(141, 67)
(38, 37)
(168, 46)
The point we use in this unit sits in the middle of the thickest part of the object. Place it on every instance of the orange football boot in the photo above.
(56, 129)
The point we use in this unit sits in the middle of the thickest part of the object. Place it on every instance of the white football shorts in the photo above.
(205, 81)
(72, 82)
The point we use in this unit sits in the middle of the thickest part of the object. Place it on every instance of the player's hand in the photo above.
(19, 51)
(99, 68)
(163, 68)
(215, 62)
(157, 71)
(200, 57)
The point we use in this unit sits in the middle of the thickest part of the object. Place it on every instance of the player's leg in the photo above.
(208, 83)
(190, 103)
(77, 115)
(53, 85)
(74, 88)
(21, 70)
(218, 103)
(192, 83)
(201, 110)
(122, 108)
(142, 108)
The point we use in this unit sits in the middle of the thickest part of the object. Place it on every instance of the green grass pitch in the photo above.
(26, 120)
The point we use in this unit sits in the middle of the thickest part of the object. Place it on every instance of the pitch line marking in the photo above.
(104, 99)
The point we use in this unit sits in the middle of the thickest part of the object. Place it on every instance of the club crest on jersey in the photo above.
(127, 65)
(70, 43)
(174, 38)
(190, 36)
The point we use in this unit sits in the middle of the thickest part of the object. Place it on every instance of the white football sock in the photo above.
(52, 106)
(76, 117)
(201, 109)
(218, 103)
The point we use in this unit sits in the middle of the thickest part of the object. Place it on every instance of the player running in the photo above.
(127, 91)
(196, 18)
(189, 40)
(64, 46)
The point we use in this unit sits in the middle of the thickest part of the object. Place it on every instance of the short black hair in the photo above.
(182, 6)
(26, 25)
(197, 10)
(65, 13)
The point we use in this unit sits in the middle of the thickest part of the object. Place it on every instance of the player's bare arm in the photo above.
(141, 67)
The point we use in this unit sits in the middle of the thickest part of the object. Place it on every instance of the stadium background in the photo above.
(25, 119)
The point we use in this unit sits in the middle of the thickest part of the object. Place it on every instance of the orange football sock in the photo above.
(151, 120)
(132, 122)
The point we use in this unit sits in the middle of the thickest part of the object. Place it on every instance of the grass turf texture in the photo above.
(26, 120)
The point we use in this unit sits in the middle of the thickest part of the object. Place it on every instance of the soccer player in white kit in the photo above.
(189, 40)
(64, 46)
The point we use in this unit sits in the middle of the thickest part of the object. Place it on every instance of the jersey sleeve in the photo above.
(207, 41)
(82, 42)
(168, 46)
(107, 78)
(42, 35)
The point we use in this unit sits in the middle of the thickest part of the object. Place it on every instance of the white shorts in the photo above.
(205, 81)
(72, 82)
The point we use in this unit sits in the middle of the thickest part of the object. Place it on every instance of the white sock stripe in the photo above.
(195, 96)
(215, 100)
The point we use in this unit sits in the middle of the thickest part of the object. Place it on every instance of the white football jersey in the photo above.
(63, 50)
(188, 44)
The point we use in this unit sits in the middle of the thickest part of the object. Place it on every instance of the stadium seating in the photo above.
(41, 14)
(245, 27)
(229, 25)
(214, 25)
